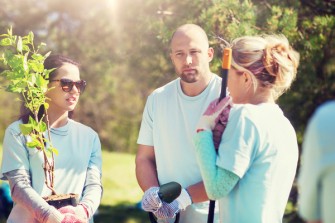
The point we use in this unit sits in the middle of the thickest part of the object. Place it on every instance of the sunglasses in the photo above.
(68, 84)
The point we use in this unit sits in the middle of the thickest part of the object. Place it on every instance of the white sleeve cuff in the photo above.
(184, 199)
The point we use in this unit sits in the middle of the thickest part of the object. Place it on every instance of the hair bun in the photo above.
(273, 54)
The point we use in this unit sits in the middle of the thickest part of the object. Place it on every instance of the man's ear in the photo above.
(210, 54)
(171, 58)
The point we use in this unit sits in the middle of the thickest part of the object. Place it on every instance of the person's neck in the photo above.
(196, 88)
(262, 97)
(57, 120)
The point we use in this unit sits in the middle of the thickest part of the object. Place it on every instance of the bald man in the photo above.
(166, 152)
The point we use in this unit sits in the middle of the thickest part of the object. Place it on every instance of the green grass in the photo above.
(119, 180)
(121, 191)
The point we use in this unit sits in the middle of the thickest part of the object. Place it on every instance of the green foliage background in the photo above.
(123, 50)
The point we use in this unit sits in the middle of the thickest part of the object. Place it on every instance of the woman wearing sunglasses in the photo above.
(77, 166)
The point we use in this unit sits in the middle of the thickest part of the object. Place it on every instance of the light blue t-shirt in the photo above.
(78, 146)
(317, 173)
(169, 123)
(259, 145)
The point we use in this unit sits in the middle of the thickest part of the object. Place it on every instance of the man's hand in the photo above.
(151, 201)
(169, 210)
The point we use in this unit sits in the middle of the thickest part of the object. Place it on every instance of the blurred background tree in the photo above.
(124, 54)
(123, 48)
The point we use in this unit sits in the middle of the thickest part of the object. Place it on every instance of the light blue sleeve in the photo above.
(309, 202)
(14, 154)
(316, 178)
(96, 159)
(218, 181)
(23, 194)
(145, 136)
(328, 195)
(92, 191)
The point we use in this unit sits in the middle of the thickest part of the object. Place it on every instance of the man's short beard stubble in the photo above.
(189, 78)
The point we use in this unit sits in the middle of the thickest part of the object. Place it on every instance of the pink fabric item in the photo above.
(220, 126)
(71, 218)
(73, 214)
(67, 210)
(222, 109)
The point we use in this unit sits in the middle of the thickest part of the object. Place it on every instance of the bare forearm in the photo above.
(197, 192)
(146, 174)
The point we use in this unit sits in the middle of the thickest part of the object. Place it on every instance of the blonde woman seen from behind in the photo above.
(253, 172)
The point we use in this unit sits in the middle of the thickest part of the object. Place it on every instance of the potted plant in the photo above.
(25, 75)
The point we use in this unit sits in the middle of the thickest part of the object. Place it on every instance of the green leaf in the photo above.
(6, 42)
(32, 121)
(10, 31)
(25, 48)
(19, 45)
(34, 143)
(40, 81)
(25, 62)
(4, 35)
(47, 54)
(36, 66)
(14, 89)
(26, 129)
(43, 126)
(31, 37)
(53, 150)
(37, 56)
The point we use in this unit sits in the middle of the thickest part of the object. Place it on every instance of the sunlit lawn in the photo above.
(121, 191)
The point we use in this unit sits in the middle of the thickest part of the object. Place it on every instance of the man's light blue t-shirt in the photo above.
(169, 124)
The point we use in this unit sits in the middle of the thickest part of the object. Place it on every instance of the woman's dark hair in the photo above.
(51, 62)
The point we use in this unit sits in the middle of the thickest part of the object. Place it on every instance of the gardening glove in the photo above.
(214, 112)
(151, 201)
(215, 118)
(80, 211)
(169, 210)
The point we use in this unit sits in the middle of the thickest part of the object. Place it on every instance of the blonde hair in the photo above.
(268, 58)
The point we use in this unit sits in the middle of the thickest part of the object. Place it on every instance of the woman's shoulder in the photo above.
(15, 126)
(81, 127)
(256, 113)
(326, 109)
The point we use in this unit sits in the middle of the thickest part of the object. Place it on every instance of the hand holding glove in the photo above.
(214, 112)
(151, 201)
(169, 210)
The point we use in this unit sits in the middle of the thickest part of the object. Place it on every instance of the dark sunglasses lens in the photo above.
(81, 85)
(66, 84)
